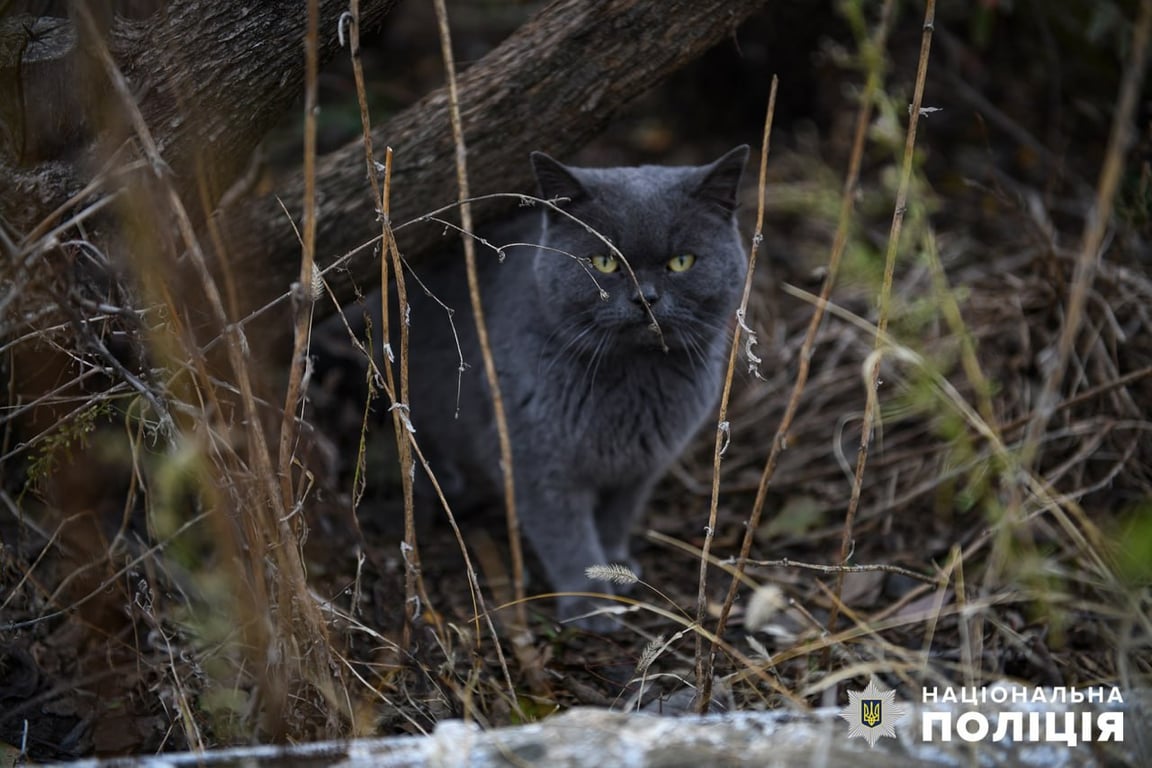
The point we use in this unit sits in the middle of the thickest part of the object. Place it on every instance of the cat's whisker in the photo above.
(598, 357)
(693, 352)
(588, 376)
(572, 342)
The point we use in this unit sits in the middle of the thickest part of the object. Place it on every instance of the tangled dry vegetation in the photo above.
(178, 571)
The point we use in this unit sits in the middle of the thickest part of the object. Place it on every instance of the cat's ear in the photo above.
(554, 179)
(720, 181)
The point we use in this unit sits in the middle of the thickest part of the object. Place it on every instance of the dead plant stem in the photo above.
(478, 315)
(933, 621)
(969, 626)
(872, 383)
(414, 591)
(723, 429)
(1085, 533)
(786, 562)
(1119, 139)
(236, 344)
(362, 99)
(304, 298)
(950, 309)
(298, 616)
(485, 348)
(804, 360)
(341, 262)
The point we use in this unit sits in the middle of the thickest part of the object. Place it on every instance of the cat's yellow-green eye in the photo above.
(605, 264)
(681, 263)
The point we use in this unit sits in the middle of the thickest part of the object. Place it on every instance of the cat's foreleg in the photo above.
(617, 512)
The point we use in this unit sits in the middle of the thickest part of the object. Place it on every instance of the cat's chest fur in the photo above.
(622, 416)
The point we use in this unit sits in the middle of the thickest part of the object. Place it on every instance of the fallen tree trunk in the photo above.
(552, 86)
(210, 81)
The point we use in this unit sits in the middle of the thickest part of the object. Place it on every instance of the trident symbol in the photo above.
(870, 710)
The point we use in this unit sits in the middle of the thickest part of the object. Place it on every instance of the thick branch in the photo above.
(552, 86)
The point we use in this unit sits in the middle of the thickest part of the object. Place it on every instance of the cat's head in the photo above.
(675, 229)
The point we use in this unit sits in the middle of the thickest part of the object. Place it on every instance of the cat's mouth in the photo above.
(644, 333)
(637, 329)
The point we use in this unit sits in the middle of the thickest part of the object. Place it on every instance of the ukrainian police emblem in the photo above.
(872, 713)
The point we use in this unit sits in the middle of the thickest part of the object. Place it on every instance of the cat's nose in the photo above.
(648, 291)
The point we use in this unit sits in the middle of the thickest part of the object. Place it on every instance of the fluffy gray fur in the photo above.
(598, 404)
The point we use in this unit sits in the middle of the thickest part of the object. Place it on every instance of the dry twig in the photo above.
(872, 381)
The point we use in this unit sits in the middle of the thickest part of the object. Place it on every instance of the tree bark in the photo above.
(552, 86)
(209, 78)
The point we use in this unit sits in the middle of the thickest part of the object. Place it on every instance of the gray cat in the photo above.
(599, 403)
